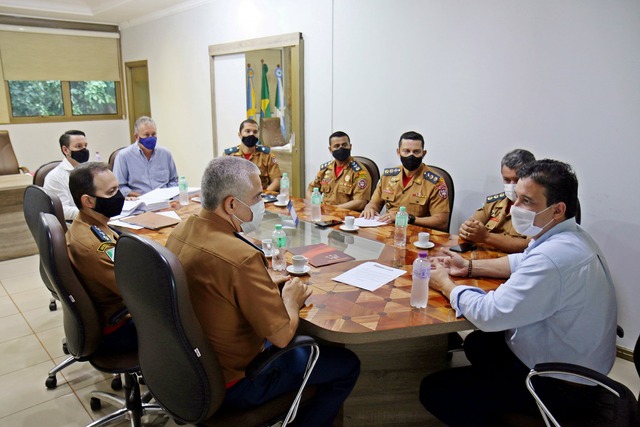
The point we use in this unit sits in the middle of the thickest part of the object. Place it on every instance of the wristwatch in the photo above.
(412, 219)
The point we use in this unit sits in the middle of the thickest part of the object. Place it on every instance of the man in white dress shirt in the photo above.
(73, 144)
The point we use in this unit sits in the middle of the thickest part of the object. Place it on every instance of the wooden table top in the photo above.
(345, 314)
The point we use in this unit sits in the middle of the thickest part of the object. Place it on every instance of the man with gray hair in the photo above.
(239, 305)
(144, 166)
(491, 224)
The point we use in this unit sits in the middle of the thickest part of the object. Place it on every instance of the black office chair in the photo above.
(82, 327)
(43, 171)
(615, 404)
(179, 366)
(452, 192)
(372, 168)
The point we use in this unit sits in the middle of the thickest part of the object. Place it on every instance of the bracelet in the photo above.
(470, 269)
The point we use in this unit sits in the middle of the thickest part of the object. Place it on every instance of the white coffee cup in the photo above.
(423, 238)
(267, 247)
(349, 221)
(299, 263)
(282, 199)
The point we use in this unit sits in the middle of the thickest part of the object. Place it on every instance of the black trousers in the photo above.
(492, 391)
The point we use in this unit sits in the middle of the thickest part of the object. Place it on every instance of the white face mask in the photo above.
(510, 191)
(522, 221)
(258, 212)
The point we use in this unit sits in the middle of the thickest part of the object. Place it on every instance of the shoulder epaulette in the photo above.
(101, 235)
(496, 197)
(432, 177)
(355, 166)
(391, 172)
(263, 149)
(325, 165)
(231, 150)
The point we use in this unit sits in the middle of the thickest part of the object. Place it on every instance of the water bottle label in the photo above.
(282, 242)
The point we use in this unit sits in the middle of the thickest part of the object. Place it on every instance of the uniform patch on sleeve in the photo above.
(231, 150)
(111, 253)
(362, 183)
(442, 191)
(391, 171)
(104, 246)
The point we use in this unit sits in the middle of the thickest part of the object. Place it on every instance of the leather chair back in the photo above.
(112, 157)
(81, 325)
(8, 161)
(372, 168)
(36, 200)
(449, 181)
(43, 171)
(177, 362)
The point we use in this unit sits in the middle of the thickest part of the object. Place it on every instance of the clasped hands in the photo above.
(473, 231)
(443, 266)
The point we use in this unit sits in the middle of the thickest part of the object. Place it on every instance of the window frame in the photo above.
(68, 111)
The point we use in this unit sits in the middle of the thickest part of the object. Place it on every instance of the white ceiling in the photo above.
(118, 12)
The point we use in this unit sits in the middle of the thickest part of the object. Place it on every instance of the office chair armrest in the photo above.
(23, 169)
(119, 316)
(579, 372)
(270, 354)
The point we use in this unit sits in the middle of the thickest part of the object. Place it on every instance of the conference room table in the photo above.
(397, 344)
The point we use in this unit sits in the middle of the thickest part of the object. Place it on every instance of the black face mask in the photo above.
(80, 156)
(411, 162)
(110, 206)
(250, 140)
(341, 154)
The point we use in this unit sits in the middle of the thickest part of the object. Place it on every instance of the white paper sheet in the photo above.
(369, 275)
(361, 222)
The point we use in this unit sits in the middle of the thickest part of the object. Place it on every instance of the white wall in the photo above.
(559, 77)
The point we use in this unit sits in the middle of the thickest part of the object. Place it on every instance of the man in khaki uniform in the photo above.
(413, 185)
(241, 308)
(259, 155)
(491, 224)
(91, 245)
(343, 182)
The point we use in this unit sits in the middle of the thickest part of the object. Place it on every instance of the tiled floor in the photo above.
(30, 345)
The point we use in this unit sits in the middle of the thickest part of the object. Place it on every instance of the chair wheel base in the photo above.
(95, 404)
(116, 383)
(51, 382)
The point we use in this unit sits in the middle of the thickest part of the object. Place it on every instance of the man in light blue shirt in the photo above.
(144, 166)
(558, 305)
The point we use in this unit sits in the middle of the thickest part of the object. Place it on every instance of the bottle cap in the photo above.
(315, 189)
(422, 254)
(403, 209)
(278, 226)
(284, 174)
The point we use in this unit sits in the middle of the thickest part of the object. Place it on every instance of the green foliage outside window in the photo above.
(46, 99)
(36, 98)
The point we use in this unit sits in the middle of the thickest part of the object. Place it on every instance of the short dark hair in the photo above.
(245, 122)
(81, 180)
(517, 158)
(414, 136)
(65, 138)
(339, 134)
(558, 179)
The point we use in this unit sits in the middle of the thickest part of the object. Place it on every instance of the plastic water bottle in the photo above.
(400, 234)
(98, 157)
(284, 187)
(316, 201)
(279, 239)
(184, 191)
(420, 285)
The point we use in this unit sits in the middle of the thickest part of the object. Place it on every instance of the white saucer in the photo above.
(343, 227)
(429, 245)
(282, 205)
(298, 273)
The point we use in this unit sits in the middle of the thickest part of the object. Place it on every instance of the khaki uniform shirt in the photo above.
(425, 195)
(496, 216)
(354, 183)
(232, 294)
(91, 247)
(264, 159)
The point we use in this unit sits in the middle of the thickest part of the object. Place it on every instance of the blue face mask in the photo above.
(148, 143)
